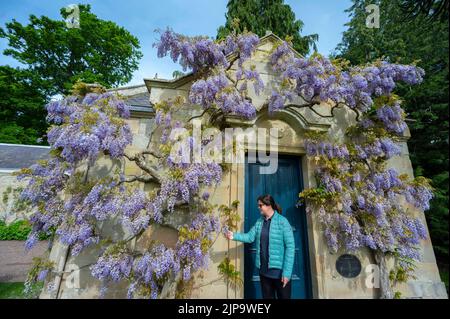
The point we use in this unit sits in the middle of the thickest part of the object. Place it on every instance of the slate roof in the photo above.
(16, 156)
(139, 103)
(137, 97)
(141, 99)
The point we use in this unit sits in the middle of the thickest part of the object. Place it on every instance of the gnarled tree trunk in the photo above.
(385, 285)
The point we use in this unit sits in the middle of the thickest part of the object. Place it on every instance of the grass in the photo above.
(18, 230)
(14, 290)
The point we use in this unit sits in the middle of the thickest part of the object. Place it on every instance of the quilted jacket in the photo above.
(281, 243)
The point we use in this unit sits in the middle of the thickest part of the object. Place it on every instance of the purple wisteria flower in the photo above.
(113, 265)
(192, 53)
(392, 118)
(190, 252)
(326, 149)
(42, 274)
(152, 268)
(419, 196)
(318, 77)
(89, 127)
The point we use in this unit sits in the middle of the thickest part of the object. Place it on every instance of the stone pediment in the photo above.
(298, 117)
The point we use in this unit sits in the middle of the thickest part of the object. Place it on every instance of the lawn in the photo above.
(14, 290)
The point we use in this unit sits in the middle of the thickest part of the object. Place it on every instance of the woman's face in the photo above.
(264, 209)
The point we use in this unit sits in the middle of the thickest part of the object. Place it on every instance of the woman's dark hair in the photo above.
(269, 201)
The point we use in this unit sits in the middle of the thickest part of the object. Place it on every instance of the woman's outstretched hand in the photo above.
(229, 235)
(284, 280)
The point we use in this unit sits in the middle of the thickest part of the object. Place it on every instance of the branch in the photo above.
(217, 115)
(148, 152)
(208, 283)
(215, 239)
(308, 104)
(200, 115)
(87, 173)
(148, 146)
(292, 106)
(231, 80)
(140, 162)
(368, 165)
(358, 114)
(141, 178)
(232, 61)
(321, 115)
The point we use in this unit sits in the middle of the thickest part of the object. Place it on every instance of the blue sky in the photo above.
(191, 17)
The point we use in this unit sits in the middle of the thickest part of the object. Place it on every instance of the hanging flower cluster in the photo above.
(221, 90)
(318, 79)
(359, 206)
(184, 177)
(88, 126)
(194, 243)
(147, 272)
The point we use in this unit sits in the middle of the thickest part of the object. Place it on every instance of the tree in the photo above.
(431, 8)
(259, 16)
(22, 118)
(405, 38)
(99, 51)
(356, 200)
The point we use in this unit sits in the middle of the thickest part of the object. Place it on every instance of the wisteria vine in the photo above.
(356, 199)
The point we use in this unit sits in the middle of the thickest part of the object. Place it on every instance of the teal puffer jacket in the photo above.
(281, 243)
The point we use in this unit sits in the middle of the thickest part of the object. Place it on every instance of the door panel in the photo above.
(284, 186)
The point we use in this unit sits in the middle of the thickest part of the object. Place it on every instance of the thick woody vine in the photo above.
(356, 198)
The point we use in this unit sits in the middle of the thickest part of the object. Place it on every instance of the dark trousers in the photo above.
(274, 287)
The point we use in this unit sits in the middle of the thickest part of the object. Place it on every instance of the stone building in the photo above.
(13, 157)
(318, 273)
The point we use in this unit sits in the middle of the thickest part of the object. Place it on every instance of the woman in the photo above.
(275, 248)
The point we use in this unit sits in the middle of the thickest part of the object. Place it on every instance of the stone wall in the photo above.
(9, 191)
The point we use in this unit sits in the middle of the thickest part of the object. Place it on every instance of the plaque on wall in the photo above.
(348, 266)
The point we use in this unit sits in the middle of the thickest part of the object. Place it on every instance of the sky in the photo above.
(190, 17)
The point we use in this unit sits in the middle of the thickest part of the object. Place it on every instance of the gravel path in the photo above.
(15, 261)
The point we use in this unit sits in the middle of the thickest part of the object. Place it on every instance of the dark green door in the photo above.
(284, 186)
